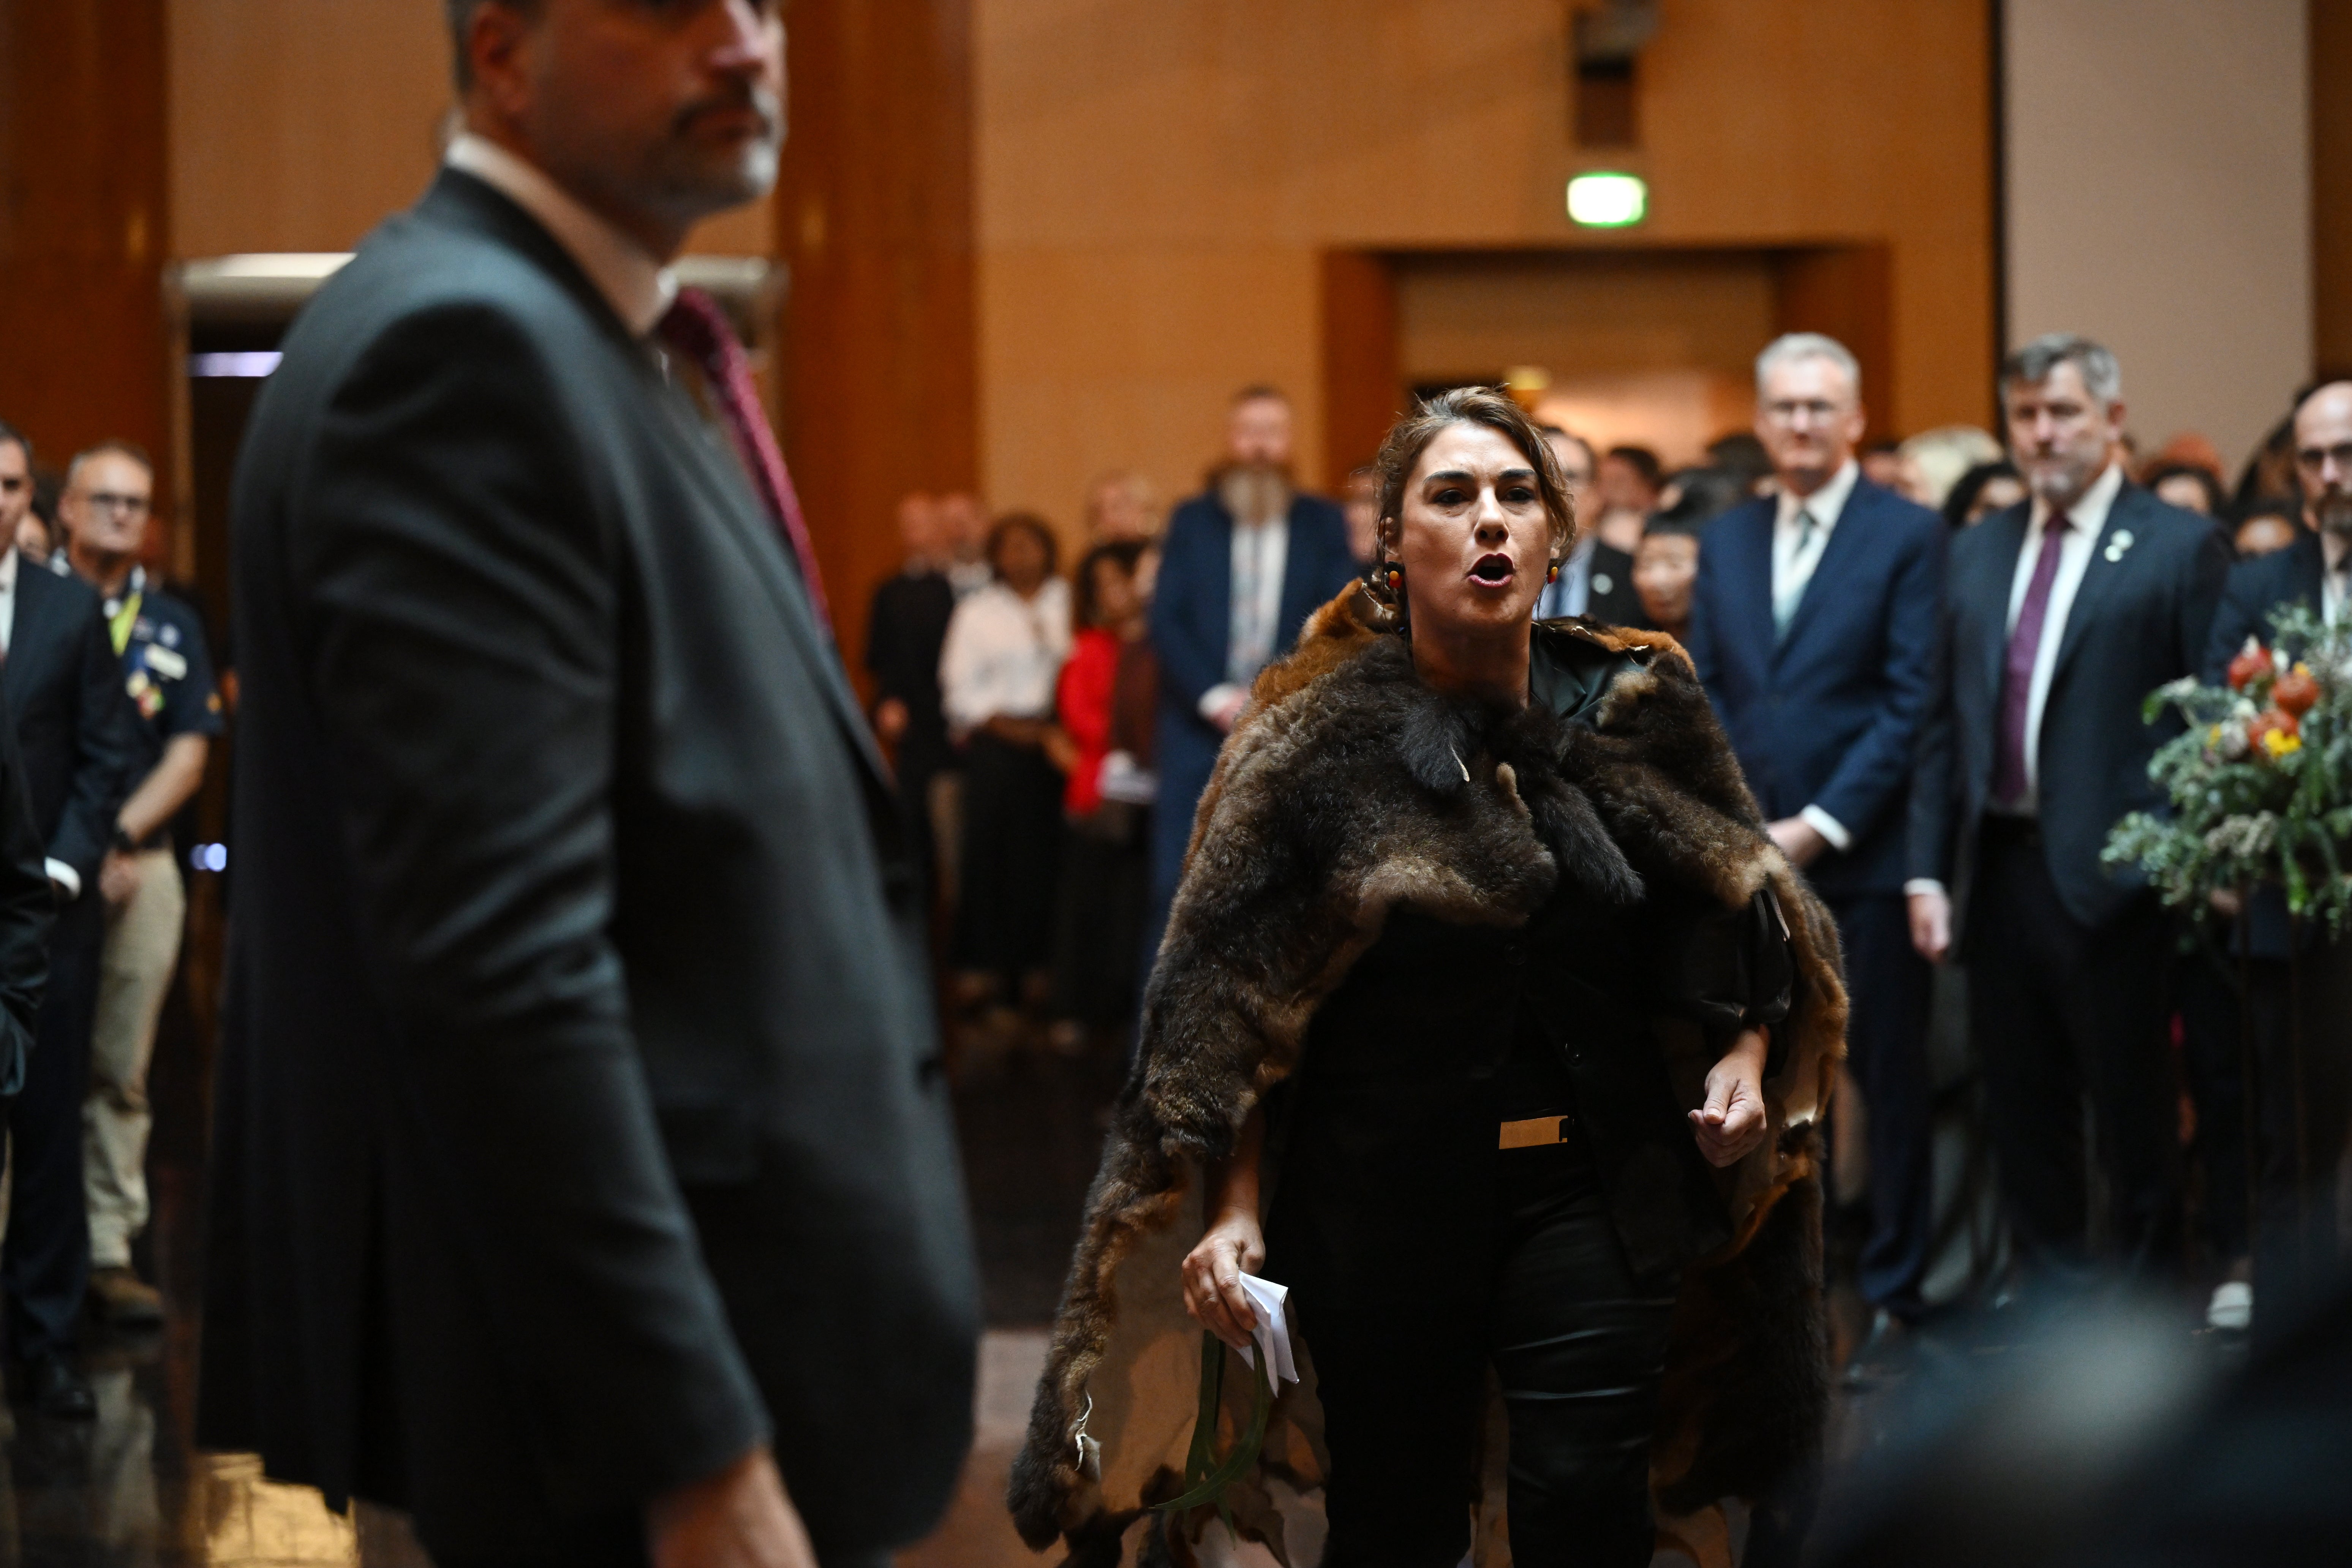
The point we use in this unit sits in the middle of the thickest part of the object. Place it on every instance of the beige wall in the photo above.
(1156, 182)
(300, 124)
(2160, 199)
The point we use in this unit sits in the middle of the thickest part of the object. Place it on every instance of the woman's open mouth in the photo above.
(1491, 571)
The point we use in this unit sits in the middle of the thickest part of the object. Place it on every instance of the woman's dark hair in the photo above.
(1125, 552)
(1971, 485)
(2217, 501)
(1412, 435)
(1014, 522)
(1702, 495)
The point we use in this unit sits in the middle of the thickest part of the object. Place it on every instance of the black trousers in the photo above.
(2211, 1019)
(45, 1267)
(2058, 1010)
(1012, 860)
(2301, 1042)
(1886, 1048)
(1577, 1343)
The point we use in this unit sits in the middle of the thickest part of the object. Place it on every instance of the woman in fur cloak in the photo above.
(1487, 989)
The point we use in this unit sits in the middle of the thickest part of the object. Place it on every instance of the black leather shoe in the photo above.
(53, 1387)
(1883, 1356)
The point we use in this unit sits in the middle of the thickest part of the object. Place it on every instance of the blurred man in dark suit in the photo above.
(2298, 1220)
(2061, 617)
(583, 1176)
(905, 630)
(77, 737)
(1813, 628)
(1596, 579)
(1245, 562)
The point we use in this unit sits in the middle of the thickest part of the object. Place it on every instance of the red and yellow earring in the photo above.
(1393, 574)
(1552, 575)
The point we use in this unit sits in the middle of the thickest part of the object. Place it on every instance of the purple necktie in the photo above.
(698, 328)
(2017, 671)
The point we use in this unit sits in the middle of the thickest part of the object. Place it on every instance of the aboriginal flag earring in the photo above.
(1552, 574)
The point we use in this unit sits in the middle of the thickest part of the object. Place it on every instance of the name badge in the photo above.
(165, 662)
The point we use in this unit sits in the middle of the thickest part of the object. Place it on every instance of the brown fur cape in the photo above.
(1340, 794)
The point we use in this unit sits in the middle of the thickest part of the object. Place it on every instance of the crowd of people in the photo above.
(1939, 714)
(111, 711)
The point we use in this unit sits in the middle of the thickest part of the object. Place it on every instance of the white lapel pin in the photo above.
(2120, 542)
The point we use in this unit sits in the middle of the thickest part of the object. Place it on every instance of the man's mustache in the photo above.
(759, 100)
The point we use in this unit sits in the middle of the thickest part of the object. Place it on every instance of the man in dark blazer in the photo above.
(2061, 615)
(2315, 573)
(906, 626)
(76, 733)
(1597, 579)
(1813, 630)
(583, 1180)
(1245, 562)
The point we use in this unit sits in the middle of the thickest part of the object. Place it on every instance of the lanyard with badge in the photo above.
(126, 614)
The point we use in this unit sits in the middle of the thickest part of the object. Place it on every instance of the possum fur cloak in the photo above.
(1349, 788)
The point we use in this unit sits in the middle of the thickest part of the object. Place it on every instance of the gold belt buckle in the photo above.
(1533, 1133)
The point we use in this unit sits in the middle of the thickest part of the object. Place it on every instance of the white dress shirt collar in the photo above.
(2333, 550)
(2088, 515)
(636, 285)
(8, 596)
(1826, 504)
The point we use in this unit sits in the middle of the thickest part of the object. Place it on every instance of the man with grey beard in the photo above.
(583, 1182)
(2311, 572)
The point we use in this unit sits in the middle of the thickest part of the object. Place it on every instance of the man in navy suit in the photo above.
(2316, 572)
(1813, 628)
(2061, 615)
(1244, 564)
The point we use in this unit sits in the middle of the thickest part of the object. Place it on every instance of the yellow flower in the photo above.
(2278, 742)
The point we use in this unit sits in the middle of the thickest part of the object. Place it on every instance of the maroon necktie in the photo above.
(698, 328)
(2017, 671)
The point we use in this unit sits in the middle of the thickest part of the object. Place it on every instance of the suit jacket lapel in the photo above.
(1838, 562)
(1299, 590)
(2001, 569)
(2108, 563)
(2307, 575)
(1748, 576)
(700, 454)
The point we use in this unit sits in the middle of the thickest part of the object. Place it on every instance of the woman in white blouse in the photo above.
(1005, 648)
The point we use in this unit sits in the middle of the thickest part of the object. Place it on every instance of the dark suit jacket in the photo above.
(903, 637)
(2257, 586)
(1192, 623)
(2137, 621)
(27, 911)
(1609, 595)
(76, 730)
(1829, 715)
(1613, 601)
(579, 1120)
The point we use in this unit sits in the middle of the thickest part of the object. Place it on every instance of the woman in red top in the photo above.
(1109, 791)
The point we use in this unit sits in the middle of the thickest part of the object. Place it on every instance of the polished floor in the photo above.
(129, 1490)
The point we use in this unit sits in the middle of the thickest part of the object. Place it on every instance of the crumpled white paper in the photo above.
(1272, 1334)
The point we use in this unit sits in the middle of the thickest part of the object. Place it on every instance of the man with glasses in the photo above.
(77, 732)
(2316, 572)
(2063, 613)
(168, 676)
(1813, 628)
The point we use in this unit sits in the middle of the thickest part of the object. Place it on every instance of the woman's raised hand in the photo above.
(1233, 1245)
(1732, 1122)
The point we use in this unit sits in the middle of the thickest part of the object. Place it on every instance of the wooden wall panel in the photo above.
(1362, 362)
(2331, 187)
(875, 209)
(1192, 148)
(83, 225)
(299, 125)
(1847, 292)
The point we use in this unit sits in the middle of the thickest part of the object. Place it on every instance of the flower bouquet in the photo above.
(2260, 781)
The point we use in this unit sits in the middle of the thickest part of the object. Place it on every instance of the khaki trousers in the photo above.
(142, 945)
